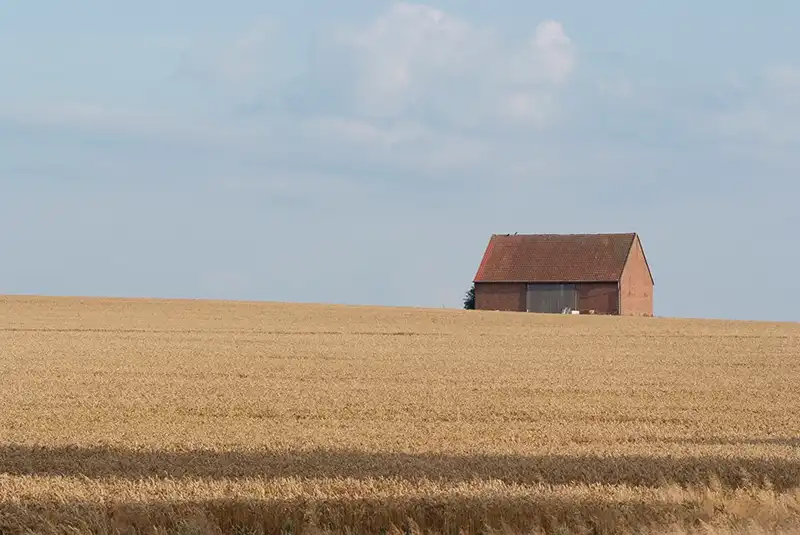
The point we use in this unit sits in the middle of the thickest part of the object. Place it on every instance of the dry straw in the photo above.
(146, 416)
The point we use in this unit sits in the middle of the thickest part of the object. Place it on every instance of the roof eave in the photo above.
(525, 281)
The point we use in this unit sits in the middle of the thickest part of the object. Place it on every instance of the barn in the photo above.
(590, 273)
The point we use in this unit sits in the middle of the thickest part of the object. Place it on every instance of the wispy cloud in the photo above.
(416, 61)
(242, 59)
(769, 114)
(419, 89)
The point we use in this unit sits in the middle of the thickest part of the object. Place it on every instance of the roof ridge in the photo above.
(565, 234)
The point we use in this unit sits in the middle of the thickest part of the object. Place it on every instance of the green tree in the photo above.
(469, 299)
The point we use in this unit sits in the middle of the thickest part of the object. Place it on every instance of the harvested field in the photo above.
(149, 416)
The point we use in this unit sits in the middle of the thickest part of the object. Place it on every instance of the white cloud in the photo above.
(415, 59)
(155, 125)
(236, 61)
(784, 81)
(548, 56)
(554, 49)
(221, 71)
(770, 116)
(402, 52)
(428, 87)
(323, 141)
(528, 106)
(402, 144)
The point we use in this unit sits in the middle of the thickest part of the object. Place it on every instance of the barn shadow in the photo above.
(651, 471)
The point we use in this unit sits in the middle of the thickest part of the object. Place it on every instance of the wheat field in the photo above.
(169, 416)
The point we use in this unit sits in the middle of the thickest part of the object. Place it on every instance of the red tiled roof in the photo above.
(555, 258)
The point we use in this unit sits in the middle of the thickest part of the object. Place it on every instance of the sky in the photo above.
(363, 152)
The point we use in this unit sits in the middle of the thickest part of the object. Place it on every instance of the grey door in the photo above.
(551, 298)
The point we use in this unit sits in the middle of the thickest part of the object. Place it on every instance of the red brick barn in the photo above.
(604, 273)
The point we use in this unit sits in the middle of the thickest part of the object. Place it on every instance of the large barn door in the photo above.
(551, 298)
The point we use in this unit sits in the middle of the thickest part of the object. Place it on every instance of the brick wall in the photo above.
(602, 297)
(636, 287)
(500, 296)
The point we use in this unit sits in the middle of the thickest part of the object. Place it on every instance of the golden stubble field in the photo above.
(157, 416)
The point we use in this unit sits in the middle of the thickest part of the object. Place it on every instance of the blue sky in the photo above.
(364, 151)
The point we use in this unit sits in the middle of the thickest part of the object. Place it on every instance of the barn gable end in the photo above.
(636, 284)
